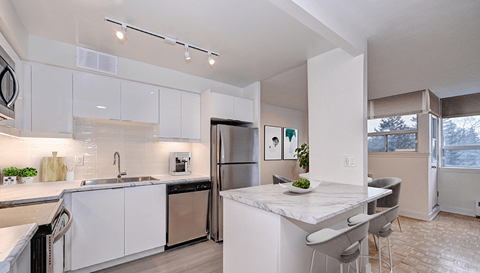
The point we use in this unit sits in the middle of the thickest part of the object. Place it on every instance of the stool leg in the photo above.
(313, 257)
(400, 226)
(326, 263)
(389, 251)
(379, 255)
(349, 264)
(341, 268)
(374, 240)
(356, 264)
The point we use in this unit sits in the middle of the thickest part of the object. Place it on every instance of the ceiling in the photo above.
(256, 39)
(414, 45)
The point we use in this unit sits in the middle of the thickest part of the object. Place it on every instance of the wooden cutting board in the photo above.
(53, 168)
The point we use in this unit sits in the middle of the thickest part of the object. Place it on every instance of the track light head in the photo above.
(122, 34)
(187, 54)
(211, 61)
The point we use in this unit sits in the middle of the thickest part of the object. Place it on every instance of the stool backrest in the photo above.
(379, 222)
(277, 179)
(391, 183)
(335, 246)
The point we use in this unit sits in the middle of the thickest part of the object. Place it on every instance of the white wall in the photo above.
(337, 117)
(459, 188)
(52, 52)
(281, 117)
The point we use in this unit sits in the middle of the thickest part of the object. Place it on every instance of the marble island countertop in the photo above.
(324, 202)
(13, 242)
(46, 191)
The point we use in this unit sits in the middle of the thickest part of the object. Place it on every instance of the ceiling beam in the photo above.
(326, 23)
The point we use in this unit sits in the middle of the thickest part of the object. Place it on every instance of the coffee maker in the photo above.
(180, 163)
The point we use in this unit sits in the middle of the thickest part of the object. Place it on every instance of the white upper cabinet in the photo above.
(170, 125)
(190, 116)
(96, 96)
(222, 106)
(233, 108)
(139, 102)
(51, 99)
(145, 218)
(242, 109)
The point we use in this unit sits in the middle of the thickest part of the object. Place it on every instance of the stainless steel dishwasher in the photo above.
(188, 212)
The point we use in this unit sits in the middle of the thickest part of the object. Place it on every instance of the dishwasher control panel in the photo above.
(188, 187)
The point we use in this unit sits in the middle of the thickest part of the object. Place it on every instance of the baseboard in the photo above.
(415, 215)
(434, 213)
(118, 261)
(462, 211)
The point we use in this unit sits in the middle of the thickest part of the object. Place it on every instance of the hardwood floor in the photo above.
(202, 257)
(450, 243)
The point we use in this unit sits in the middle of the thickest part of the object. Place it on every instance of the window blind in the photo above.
(461, 106)
(423, 101)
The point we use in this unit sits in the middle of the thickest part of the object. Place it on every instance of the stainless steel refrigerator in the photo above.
(234, 154)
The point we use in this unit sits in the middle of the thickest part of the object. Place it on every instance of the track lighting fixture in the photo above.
(122, 34)
(187, 54)
(211, 61)
(122, 38)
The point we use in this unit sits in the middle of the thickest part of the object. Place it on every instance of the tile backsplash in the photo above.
(97, 142)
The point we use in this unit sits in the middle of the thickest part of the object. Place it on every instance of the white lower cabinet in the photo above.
(114, 223)
(145, 218)
(98, 232)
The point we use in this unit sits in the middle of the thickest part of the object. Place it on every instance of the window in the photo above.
(461, 142)
(393, 134)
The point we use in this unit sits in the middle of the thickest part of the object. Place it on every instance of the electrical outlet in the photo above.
(349, 161)
(79, 160)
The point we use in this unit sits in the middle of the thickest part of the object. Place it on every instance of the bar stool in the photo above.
(342, 245)
(380, 226)
(389, 201)
(277, 179)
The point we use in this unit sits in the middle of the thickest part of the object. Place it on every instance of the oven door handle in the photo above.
(65, 228)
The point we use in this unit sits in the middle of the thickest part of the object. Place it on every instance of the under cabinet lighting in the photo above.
(101, 107)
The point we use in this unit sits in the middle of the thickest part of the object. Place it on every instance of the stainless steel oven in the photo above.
(8, 86)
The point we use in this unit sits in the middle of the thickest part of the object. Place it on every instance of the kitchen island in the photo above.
(265, 226)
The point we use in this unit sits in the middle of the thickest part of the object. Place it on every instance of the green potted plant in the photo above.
(10, 176)
(27, 174)
(302, 156)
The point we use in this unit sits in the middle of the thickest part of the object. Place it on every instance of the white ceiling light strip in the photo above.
(167, 38)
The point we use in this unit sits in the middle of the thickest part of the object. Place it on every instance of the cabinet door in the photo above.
(145, 218)
(170, 125)
(222, 106)
(139, 102)
(51, 99)
(98, 233)
(190, 116)
(96, 96)
(243, 109)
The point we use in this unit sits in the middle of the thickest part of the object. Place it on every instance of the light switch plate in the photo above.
(79, 160)
(349, 161)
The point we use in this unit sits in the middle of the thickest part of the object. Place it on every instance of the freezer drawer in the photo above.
(187, 216)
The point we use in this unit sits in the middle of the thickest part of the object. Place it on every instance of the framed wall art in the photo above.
(290, 143)
(273, 143)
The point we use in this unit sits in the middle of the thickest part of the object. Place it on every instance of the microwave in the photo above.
(8, 86)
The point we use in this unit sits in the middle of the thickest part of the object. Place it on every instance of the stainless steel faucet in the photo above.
(119, 174)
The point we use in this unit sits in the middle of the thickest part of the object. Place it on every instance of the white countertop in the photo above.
(45, 191)
(324, 202)
(13, 242)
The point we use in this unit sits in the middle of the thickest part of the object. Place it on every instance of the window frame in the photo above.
(399, 132)
(454, 147)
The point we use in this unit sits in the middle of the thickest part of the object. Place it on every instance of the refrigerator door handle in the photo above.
(220, 182)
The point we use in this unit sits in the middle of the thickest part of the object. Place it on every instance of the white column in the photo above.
(337, 117)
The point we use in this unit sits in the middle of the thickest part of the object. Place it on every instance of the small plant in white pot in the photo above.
(27, 174)
(10, 176)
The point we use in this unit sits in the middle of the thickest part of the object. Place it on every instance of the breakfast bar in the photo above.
(265, 226)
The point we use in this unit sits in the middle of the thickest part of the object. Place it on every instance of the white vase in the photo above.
(9, 180)
(27, 180)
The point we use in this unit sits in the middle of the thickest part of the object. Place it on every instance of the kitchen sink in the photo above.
(117, 180)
